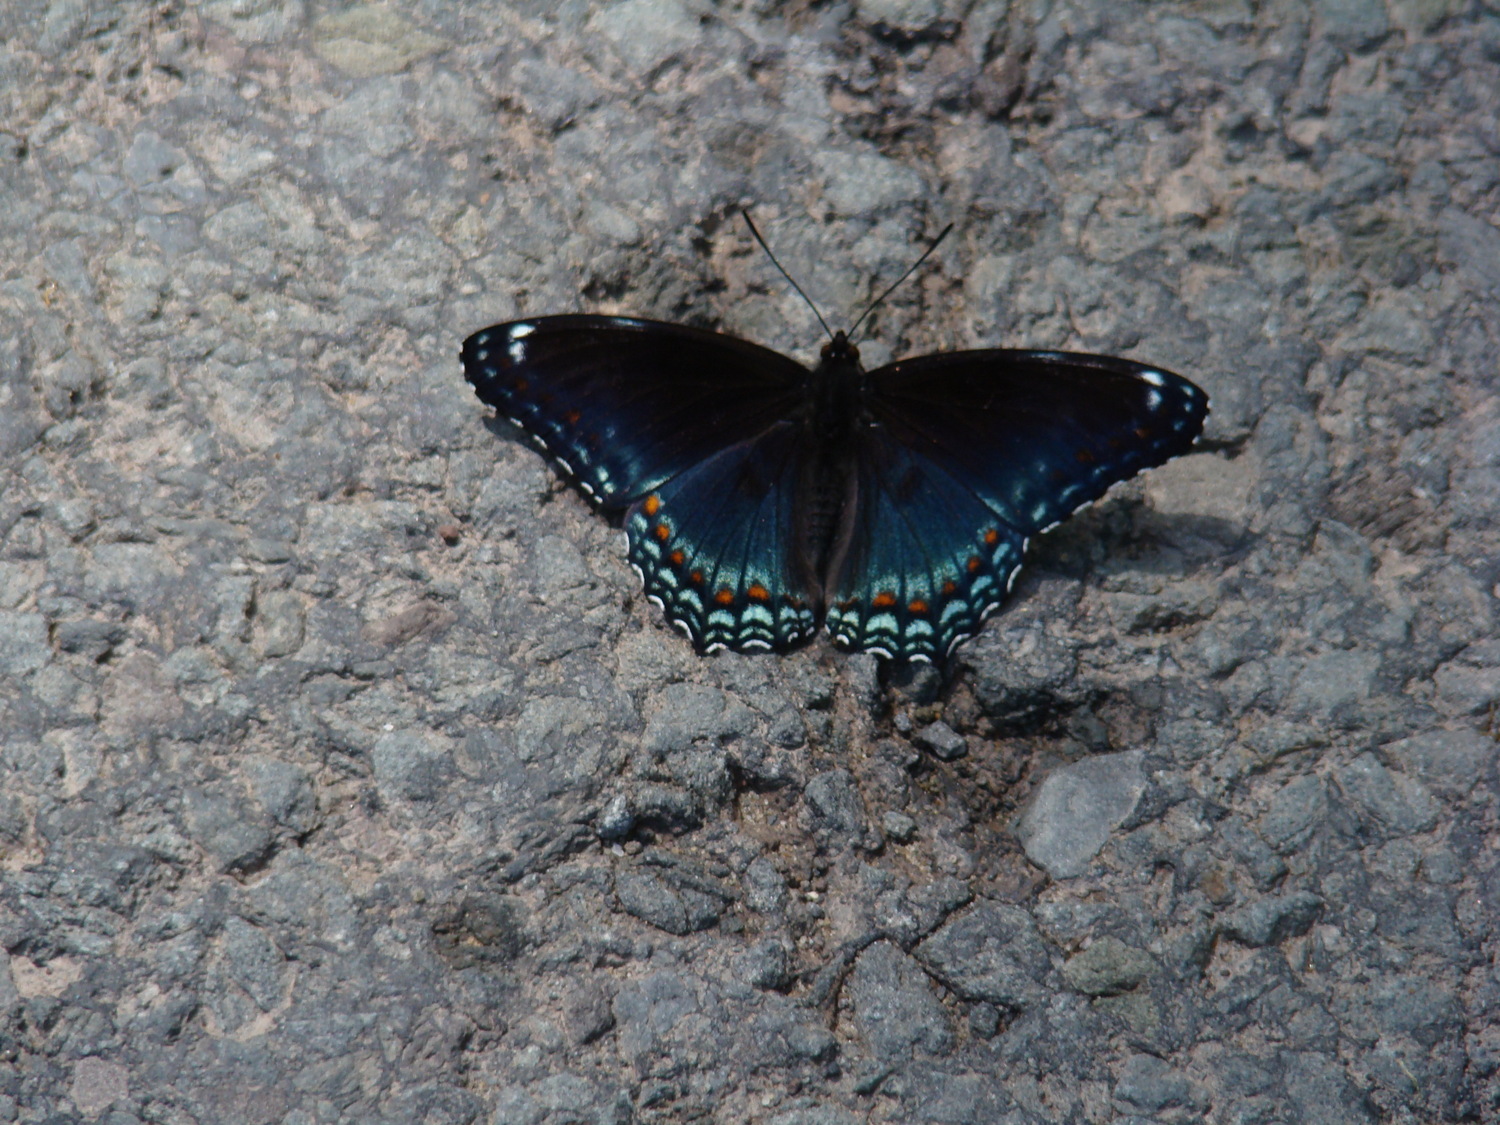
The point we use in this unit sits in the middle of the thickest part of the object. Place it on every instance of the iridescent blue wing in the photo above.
(966, 457)
(623, 405)
(690, 432)
(715, 548)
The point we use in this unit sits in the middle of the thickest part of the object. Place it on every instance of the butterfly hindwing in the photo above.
(713, 546)
(1037, 434)
(927, 558)
(624, 404)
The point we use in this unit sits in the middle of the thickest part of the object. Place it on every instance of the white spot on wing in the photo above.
(521, 331)
(1155, 378)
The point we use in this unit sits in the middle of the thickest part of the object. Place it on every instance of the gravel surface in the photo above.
(346, 776)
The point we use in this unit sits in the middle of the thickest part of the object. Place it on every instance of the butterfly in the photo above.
(762, 499)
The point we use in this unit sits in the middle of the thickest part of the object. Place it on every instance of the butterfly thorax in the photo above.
(837, 392)
(836, 411)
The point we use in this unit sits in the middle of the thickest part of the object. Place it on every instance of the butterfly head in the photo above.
(840, 349)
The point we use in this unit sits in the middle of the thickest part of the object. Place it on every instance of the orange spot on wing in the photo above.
(652, 504)
(676, 557)
(725, 596)
(759, 593)
(520, 385)
(975, 562)
(696, 578)
(949, 586)
(1142, 432)
(1084, 456)
(884, 600)
(917, 606)
(991, 537)
(663, 532)
(571, 417)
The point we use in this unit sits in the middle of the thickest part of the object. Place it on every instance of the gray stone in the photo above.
(910, 15)
(151, 160)
(555, 94)
(671, 895)
(765, 888)
(942, 741)
(227, 829)
(1076, 809)
(281, 623)
(91, 638)
(254, 963)
(1273, 920)
(23, 643)
(1149, 1085)
(588, 1014)
(688, 713)
(369, 40)
(834, 804)
(784, 1038)
(1452, 763)
(895, 1008)
(653, 900)
(1389, 802)
(1107, 967)
(1355, 24)
(990, 952)
(286, 793)
(1318, 1090)
(1471, 681)
(411, 765)
(1333, 680)
(1295, 811)
(481, 929)
(258, 21)
(617, 819)
(898, 826)
(859, 183)
(1472, 244)
(815, 1115)
(1265, 866)
(647, 1012)
(764, 965)
(648, 33)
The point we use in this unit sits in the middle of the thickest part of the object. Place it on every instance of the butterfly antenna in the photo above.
(749, 222)
(936, 242)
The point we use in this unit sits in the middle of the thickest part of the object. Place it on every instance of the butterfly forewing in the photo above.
(714, 547)
(967, 455)
(1037, 434)
(624, 404)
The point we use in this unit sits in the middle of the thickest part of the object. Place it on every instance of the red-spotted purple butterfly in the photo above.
(761, 498)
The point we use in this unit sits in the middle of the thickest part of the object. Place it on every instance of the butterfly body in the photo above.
(761, 499)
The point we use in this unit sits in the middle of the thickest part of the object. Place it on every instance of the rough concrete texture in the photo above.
(344, 773)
